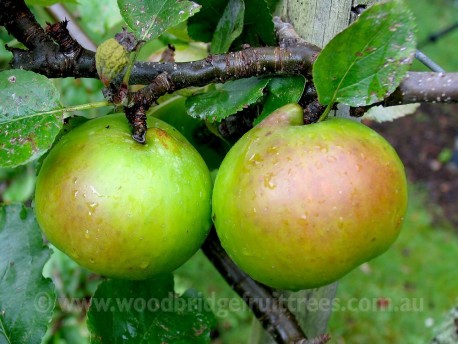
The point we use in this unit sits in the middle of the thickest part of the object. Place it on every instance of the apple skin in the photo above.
(123, 209)
(299, 206)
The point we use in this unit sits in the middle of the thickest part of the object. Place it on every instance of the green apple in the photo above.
(122, 209)
(210, 147)
(299, 206)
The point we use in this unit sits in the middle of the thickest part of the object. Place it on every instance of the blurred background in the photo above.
(405, 296)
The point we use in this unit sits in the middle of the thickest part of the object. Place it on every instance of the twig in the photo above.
(141, 101)
(428, 62)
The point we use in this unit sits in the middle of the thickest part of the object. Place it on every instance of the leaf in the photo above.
(99, 19)
(258, 29)
(203, 24)
(223, 100)
(148, 19)
(229, 27)
(281, 91)
(148, 312)
(27, 299)
(366, 62)
(385, 114)
(27, 131)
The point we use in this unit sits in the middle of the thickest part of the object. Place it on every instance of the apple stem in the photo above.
(326, 112)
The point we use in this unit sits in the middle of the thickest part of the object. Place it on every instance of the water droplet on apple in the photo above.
(86, 234)
(92, 206)
(268, 181)
(255, 159)
(272, 150)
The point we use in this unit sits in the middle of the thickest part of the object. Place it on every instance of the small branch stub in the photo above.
(140, 101)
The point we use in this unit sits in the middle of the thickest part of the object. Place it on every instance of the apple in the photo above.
(173, 111)
(299, 206)
(123, 209)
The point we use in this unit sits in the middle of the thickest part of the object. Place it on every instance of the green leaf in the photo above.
(203, 24)
(148, 19)
(229, 27)
(27, 299)
(366, 62)
(148, 312)
(281, 91)
(27, 130)
(258, 27)
(223, 100)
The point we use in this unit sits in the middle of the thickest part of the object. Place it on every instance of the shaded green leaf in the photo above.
(281, 91)
(223, 100)
(203, 24)
(258, 29)
(148, 19)
(229, 27)
(27, 299)
(367, 61)
(148, 312)
(27, 130)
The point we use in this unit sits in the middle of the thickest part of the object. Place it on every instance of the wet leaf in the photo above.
(366, 62)
(149, 19)
(281, 91)
(27, 130)
(223, 100)
(148, 312)
(27, 299)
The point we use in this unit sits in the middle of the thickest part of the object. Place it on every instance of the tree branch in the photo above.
(47, 58)
(270, 309)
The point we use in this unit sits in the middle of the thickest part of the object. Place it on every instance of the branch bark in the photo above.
(47, 58)
(268, 306)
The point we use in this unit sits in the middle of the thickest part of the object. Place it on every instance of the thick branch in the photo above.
(16, 17)
(416, 87)
(419, 87)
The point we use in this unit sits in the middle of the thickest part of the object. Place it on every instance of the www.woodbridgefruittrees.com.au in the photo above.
(223, 306)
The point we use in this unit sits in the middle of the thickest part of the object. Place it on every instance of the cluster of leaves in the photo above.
(360, 66)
